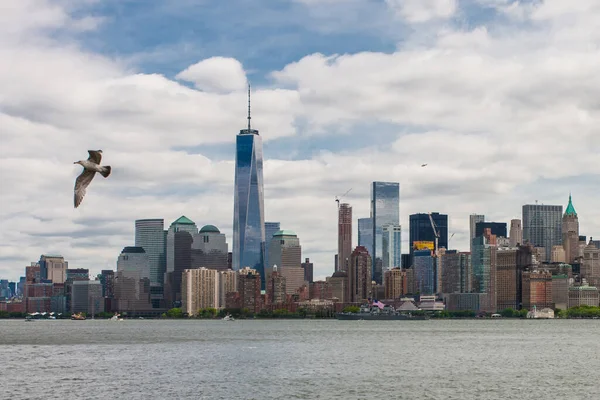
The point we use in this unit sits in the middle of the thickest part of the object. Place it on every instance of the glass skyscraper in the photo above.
(542, 226)
(270, 229)
(248, 203)
(421, 230)
(385, 210)
(392, 247)
(149, 235)
(365, 234)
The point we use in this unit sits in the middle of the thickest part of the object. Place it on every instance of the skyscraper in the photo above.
(365, 233)
(473, 220)
(497, 228)
(270, 229)
(392, 247)
(542, 226)
(422, 231)
(149, 235)
(516, 232)
(385, 210)
(209, 249)
(359, 275)
(570, 233)
(344, 235)
(248, 202)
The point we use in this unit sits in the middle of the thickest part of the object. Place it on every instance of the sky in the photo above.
(500, 98)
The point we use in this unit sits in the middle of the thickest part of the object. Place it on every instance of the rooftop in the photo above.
(570, 209)
(133, 249)
(209, 229)
(184, 221)
(284, 233)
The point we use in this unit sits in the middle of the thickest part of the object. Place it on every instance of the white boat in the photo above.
(116, 317)
(228, 318)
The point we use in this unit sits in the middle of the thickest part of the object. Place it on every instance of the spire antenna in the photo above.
(249, 107)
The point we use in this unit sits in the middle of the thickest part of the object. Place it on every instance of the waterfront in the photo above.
(302, 359)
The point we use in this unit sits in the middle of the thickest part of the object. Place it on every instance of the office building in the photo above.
(209, 249)
(422, 231)
(248, 200)
(150, 235)
(483, 260)
(308, 267)
(497, 228)
(474, 219)
(132, 280)
(365, 233)
(395, 284)
(385, 210)
(424, 270)
(542, 226)
(391, 247)
(86, 297)
(537, 290)
(507, 277)
(516, 232)
(53, 268)
(270, 229)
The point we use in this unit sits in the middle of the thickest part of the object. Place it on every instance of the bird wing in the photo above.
(81, 184)
(95, 156)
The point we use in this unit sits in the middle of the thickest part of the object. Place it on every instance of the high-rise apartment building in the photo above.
(516, 232)
(395, 284)
(276, 288)
(344, 235)
(484, 264)
(308, 268)
(570, 233)
(199, 289)
(507, 277)
(542, 226)
(392, 247)
(359, 275)
(227, 284)
(365, 233)
(385, 210)
(248, 202)
(249, 289)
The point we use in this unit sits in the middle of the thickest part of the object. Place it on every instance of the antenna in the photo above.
(249, 107)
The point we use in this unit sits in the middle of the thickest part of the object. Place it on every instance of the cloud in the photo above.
(417, 11)
(503, 113)
(215, 74)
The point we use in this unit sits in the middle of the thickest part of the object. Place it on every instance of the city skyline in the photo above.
(166, 119)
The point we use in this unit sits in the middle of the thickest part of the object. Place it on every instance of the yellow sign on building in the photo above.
(423, 245)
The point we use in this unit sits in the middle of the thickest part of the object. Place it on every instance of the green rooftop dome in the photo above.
(570, 209)
(184, 221)
(284, 233)
(209, 229)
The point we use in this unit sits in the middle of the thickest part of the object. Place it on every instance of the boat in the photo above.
(378, 311)
(78, 317)
(380, 317)
(228, 318)
(116, 317)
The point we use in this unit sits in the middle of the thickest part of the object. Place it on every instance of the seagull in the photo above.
(90, 167)
(423, 165)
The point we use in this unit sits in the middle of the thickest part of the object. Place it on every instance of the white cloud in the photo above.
(417, 11)
(502, 117)
(216, 74)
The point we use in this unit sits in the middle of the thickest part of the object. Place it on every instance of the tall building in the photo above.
(308, 268)
(395, 284)
(227, 284)
(53, 268)
(87, 297)
(249, 289)
(542, 226)
(365, 233)
(285, 252)
(474, 219)
(421, 230)
(507, 277)
(179, 257)
(150, 235)
(344, 235)
(484, 261)
(385, 210)
(270, 229)
(516, 232)
(248, 202)
(570, 233)
(424, 269)
(276, 290)
(209, 249)
(590, 264)
(132, 280)
(537, 290)
(199, 289)
(392, 247)
(359, 275)
(451, 270)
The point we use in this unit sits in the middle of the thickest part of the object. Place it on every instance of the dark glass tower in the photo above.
(385, 210)
(248, 207)
(421, 230)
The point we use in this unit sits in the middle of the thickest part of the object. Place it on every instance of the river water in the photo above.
(300, 359)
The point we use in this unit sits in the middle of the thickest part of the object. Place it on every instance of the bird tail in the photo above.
(105, 171)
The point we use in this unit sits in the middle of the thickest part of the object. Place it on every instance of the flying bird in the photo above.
(90, 167)
(423, 165)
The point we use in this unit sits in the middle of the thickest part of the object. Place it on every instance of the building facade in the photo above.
(359, 275)
(150, 235)
(537, 290)
(424, 267)
(385, 210)
(210, 249)
(542, 226)
(248, 203)
(200, 290)
(570, 233)
(365, 233)
(392, 247)
(270, 229)
(516, 232)
(344, 235)
(421, 230)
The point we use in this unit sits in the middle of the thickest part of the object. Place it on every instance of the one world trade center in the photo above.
(248, 199)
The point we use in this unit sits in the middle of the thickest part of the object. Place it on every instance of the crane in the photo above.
(337, 199)
(436, 233)
(451, 236)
